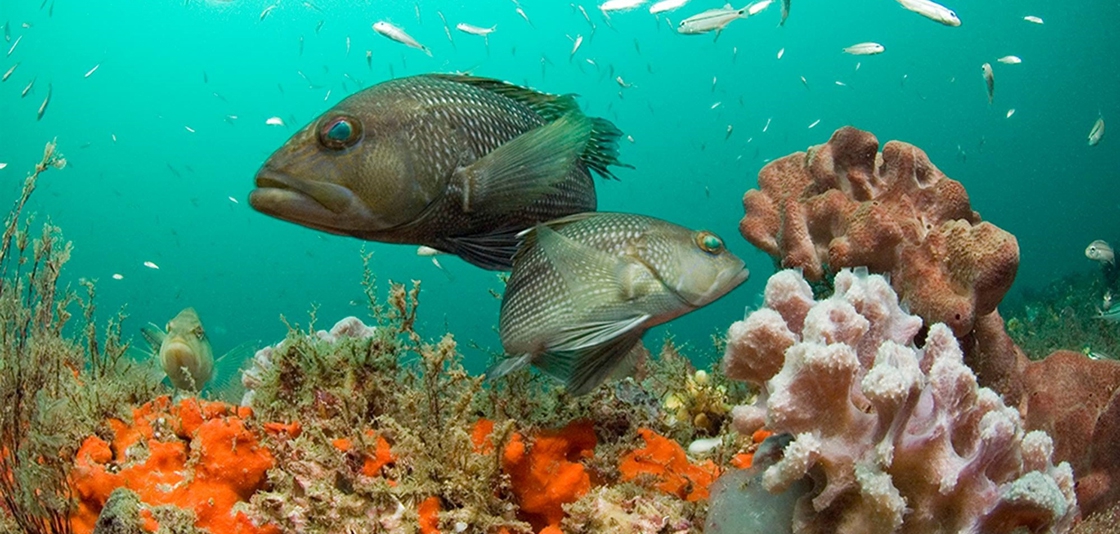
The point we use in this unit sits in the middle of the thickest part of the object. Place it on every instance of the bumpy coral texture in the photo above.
(899, 439)
(664, 463)
(842, 204)
(1078, 400)
(196, 455)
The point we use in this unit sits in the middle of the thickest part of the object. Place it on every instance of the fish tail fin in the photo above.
(507, 366)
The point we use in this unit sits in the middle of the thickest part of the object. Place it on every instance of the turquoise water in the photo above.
(178, 198)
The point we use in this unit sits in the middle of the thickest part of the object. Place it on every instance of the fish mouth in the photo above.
(320, 205)
(725, 281)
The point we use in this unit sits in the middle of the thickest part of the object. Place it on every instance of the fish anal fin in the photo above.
(492, 251)
(526, 168)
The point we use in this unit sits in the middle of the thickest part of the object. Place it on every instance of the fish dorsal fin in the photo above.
(599, 154)
(528, 237)
(526, 168)
(585, 369)
(549, 106)
(154, 335)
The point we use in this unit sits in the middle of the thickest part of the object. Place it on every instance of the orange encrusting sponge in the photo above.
(665, 463)
(196, 455)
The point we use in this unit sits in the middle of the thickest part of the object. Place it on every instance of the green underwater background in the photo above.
(159, 172)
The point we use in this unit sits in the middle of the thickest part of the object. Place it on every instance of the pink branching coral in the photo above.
(898, 438)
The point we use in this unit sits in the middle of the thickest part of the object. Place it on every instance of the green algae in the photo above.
(1064, 315)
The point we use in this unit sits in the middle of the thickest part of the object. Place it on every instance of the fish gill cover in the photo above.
(165, 110)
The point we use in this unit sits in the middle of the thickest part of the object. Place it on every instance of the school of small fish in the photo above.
(502, 176)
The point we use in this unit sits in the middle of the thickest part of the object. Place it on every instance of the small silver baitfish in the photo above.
(1097, 133)
(585, 288)
(1101, 251)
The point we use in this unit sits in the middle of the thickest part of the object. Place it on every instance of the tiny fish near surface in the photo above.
(989, 80)
(864, 49)
(585, 288)
(458, 163)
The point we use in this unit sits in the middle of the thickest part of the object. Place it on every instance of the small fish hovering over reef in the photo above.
(1101, 251)
(1097, 133)
(458, 163)
(864, 49)
(989, 80)
(933, 11)
(392, 32)
(184, 351)
(585, 288)
(1111, 315)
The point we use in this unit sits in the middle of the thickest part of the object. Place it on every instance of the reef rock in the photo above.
(897, 438)
(843, 204)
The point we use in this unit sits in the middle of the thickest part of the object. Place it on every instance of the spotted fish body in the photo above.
(585, 288)
(183, 350)
(458, 163)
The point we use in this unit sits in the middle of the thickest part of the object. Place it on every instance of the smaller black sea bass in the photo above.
(585, 288)
(457, 163)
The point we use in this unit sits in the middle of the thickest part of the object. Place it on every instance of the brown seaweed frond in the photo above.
(53, 391)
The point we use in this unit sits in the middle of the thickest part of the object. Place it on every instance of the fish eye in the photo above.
(709, 242)
(340, 132)
(199, 333)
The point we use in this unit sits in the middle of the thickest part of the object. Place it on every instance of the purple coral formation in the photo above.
(897, 438)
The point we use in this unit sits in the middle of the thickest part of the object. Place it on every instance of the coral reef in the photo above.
(898, 439)
(1064, 315)
(842, 204)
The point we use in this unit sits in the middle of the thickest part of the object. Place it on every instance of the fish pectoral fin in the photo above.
(238, 354)
(507, 366)
(592, 332)
(527, 168)
(154, 335)
(585, 369)
(493, 251)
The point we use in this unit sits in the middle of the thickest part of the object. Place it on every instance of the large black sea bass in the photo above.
(458, 163)
(584, 288)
